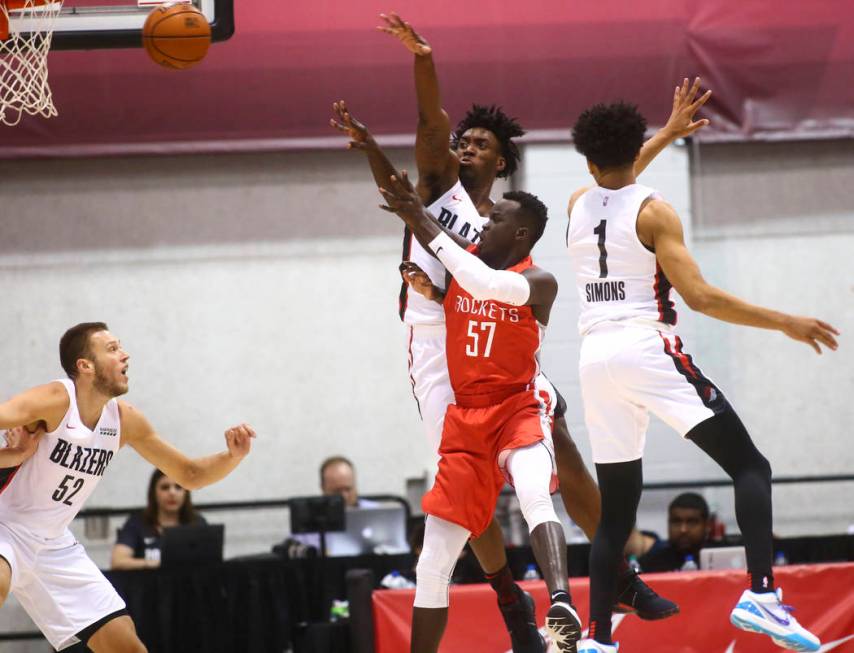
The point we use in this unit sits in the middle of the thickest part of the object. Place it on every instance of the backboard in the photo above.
(99, 24)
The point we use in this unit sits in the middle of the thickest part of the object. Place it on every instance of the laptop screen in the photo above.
(374, 530)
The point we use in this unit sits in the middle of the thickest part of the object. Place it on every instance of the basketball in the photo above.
(176, 36)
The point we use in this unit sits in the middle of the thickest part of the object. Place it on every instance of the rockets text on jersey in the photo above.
(491, 347)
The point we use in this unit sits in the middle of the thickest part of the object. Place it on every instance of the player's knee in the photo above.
(763, 468)
(537, 509)
(432, 581)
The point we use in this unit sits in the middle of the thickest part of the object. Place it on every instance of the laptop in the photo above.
(725, 557)
(193, 544)
(375, 530)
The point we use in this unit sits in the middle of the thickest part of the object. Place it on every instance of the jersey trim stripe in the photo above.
(708, 393)
(6, 476)
(412, 378)
(662, 288)
(404, 287)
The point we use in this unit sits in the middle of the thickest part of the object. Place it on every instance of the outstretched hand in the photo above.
(239, 440)
(359, 136)
(404, 32)
(419, 281)
(685, 104)
(812, 332)
(24, 440)
(400, 196)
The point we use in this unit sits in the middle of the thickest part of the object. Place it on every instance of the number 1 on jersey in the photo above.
(603, 253)
(472, 347)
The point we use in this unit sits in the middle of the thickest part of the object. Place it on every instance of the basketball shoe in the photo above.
(765, 613)
(564, 627)
(592, 646)
(521, 621)
(633, 595)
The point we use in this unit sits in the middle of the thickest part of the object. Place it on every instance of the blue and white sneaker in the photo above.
(765, 613)
(592, 646)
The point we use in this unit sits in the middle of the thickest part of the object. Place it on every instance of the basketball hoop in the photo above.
(26, 28)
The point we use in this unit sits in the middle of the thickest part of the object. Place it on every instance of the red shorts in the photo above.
(470, 479)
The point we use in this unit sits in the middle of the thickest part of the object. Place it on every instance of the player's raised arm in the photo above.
(660, 227)
(363, 141)
(681, 123)
(438, 166)
(191, 473)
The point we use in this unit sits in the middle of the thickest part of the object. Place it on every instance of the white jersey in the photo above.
(47, 491)
(455, 211)
(618, 278)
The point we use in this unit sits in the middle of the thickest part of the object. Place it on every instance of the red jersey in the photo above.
(491, 347)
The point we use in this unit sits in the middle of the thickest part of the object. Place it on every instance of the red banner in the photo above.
(778, 70)
(822, 595)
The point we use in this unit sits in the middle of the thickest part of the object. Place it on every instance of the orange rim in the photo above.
(12, 5)
(4, 21)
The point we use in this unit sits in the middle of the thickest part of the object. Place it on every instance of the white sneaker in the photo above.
(564, 627)
(765, 613)
(592, 646)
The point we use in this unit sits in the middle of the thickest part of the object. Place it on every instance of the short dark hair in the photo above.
(505, 128)
(534, 210)
(333, 460)
(610, 135)
(74, 345)
(692, 501)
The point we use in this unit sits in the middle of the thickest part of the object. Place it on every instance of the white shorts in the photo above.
(57, 584)
(428, 373)
(628, 371)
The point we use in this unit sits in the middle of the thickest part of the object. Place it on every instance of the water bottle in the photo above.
(689, 564)
(339, 610)
(394, 581)
(531, 573)
(634, 565)
(780, 559)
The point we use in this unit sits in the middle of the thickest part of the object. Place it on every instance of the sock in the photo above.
(601, 638)
(761, 583)
(504, 585)
(561, 597)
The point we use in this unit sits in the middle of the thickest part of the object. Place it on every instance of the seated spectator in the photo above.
(338, 476)
(688, 530)
(138, 541)
(642, 542)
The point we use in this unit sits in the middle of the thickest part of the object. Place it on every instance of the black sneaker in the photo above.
(633, 595)
(521, 620)
(564, 627)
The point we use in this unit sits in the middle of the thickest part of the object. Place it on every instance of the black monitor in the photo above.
(318, 514)
(192, 544)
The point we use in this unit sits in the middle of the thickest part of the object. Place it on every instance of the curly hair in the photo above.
(535, 212)
(610, 135)
(505, 128)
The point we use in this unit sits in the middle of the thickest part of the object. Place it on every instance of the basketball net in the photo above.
(23, 59)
